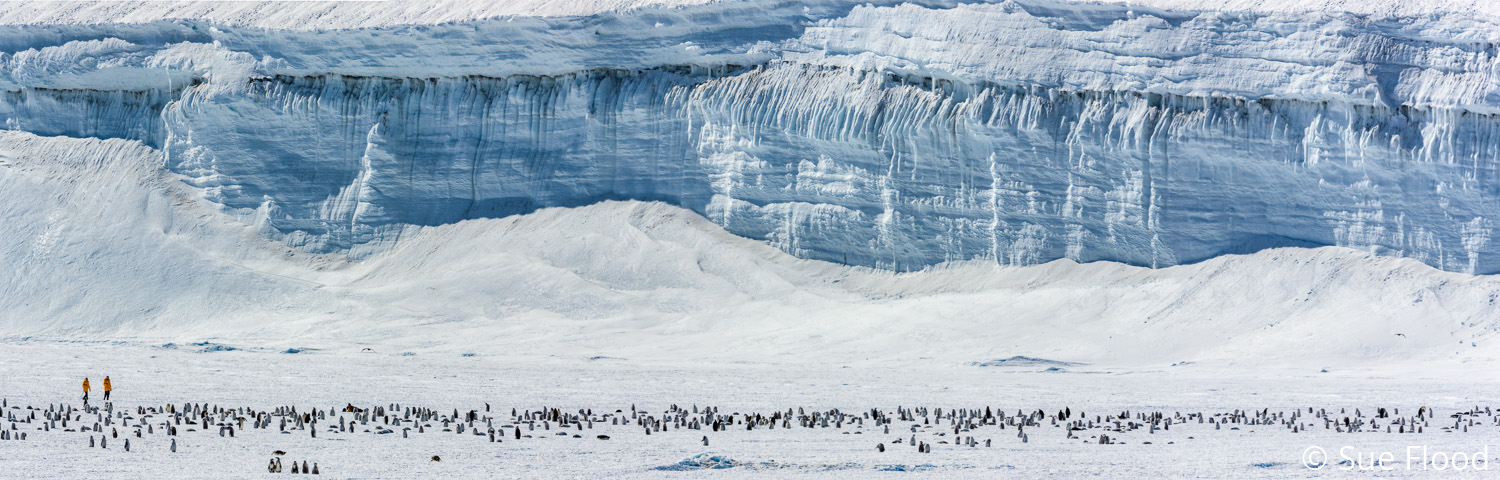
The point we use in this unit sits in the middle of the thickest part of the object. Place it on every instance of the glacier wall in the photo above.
(890, 136)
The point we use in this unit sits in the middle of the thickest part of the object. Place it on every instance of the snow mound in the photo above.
(103, 245)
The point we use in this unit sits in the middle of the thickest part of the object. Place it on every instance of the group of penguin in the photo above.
(939, 426)
(275, 466)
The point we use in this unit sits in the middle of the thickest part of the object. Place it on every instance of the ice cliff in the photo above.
(889, 135)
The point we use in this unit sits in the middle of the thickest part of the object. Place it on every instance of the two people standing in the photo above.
(107, 389)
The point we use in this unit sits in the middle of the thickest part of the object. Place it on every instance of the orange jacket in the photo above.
(106, 384)
(85, 385)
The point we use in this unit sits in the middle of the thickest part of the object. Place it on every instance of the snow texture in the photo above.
(151, 376)
(104, 244)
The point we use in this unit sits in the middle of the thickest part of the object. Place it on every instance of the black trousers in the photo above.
(106, 395)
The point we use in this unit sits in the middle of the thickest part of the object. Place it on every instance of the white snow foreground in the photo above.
(102, 244)
(400, 443)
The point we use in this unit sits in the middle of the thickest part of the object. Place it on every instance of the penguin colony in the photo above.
(917, 428)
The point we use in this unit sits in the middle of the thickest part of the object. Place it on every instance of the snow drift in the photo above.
(103, 244)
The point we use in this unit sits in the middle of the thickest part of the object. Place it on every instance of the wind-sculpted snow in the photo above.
(897, 137)
(102, 242)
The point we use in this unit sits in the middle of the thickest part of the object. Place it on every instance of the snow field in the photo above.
(265, 381)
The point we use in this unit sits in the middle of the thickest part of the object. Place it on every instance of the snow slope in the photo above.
(104, 245)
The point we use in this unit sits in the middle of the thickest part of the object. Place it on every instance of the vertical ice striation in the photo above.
(890, 136)
(1150, 179)
(360, 157)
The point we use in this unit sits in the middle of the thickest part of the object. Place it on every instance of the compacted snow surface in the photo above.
(263, 380)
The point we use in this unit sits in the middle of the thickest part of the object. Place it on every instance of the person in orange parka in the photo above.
(106, 388)
(85, 390)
